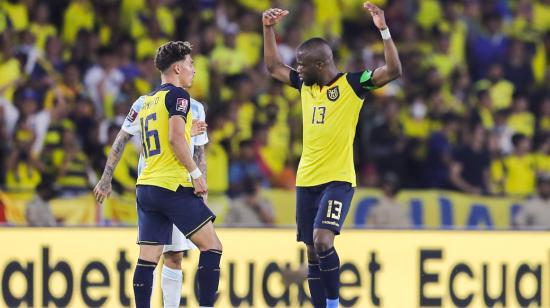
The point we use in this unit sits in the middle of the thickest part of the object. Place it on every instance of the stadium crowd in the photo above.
(471, 112)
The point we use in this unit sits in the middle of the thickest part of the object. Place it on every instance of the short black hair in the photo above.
(450, 117)
(317, 47)
(105, 51)
(517, 138)
(171, 52)
(246, 143)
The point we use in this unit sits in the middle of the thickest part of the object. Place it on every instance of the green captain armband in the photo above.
(366, 80)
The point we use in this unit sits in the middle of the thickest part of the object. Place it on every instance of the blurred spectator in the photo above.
(388, 142)
(388, 212)
(38, 211)
(442, 59)
(69, 87)
(18, 14)
(243, 168)
(72, 166)
(439, 157)
(543, 155)
(543, 117)
(22, 172)
(78, 15)
(103, 82)
(500, 89)
(487, 45)
(482, 113)
(518, 170)
(470, 170)
(535, 213)
(41, 27)
(517, 68)
(521, 120)
(147, 45)
(503, 132)
(10, 69)
(250, 209)
(23, 166)
(217, 158)
(50, 62)
(226, 56)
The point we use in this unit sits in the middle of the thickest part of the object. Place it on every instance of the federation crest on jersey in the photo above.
(333, 93)
(182, 104)
(132, 115)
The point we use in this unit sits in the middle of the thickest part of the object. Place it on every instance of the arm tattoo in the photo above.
(115, 154)
(200, 159)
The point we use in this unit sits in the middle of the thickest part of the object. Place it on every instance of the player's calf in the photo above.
(209, 263)
(172, 279)
(149, 256)
(318, 298)
(329, 264)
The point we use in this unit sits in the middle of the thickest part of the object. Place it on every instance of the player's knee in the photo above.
(217, 245)
(150, 253)
(173, 259)
(322, 243)
(213, 244)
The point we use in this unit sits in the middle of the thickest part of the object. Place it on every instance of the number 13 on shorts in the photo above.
(334, 209)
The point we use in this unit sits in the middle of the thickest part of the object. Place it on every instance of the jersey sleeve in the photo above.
(295, 81)
(131, 125)
(361, 82)
(178, 102)
(199, 114)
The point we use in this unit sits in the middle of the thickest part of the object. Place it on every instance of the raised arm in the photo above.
(103, 188)
(392, 70)
(275, 65)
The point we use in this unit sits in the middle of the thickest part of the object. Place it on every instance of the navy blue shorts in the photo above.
(323, 206)
(160, 208)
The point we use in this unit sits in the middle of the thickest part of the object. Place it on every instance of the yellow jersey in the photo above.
(520, 172)
(330, 115)
(162, 168)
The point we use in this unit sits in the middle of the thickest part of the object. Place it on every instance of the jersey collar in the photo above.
(333, 80)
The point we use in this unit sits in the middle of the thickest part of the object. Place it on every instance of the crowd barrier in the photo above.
(91, 267)
(427, 208)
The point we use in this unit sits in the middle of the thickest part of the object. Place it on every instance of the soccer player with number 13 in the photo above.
(331, 101)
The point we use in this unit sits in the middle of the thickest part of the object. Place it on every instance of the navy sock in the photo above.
(209, 276)
(143, 283)
(330, 272)
(315, 286)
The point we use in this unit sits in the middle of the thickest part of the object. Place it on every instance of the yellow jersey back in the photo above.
(330, 114)
(162, 168)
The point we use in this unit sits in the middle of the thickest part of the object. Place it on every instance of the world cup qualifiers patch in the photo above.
(333, 93)
(182, 104)
(132, 115)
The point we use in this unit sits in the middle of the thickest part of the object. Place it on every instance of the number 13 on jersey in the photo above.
(318, 115)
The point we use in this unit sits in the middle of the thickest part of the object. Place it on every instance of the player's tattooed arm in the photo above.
(392, 70)
(275, 65)
(103, 188)
(200, 159)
